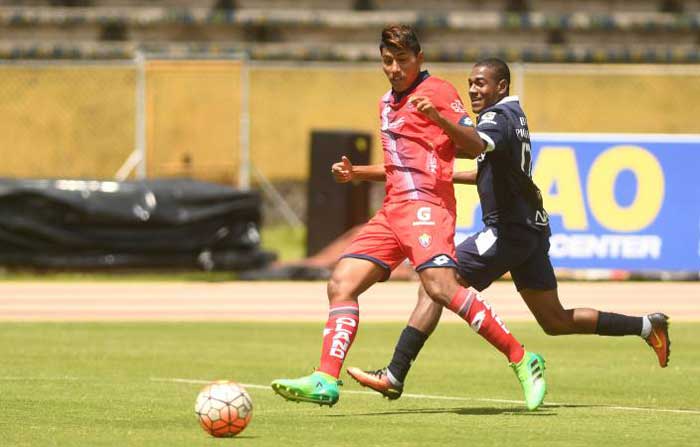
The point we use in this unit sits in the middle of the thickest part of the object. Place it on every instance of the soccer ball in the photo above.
(223, 408)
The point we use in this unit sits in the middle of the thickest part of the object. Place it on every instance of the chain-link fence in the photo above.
(66, 119)
(152, 117)
(190, 117)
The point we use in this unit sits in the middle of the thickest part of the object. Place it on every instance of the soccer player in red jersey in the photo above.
(423, 124)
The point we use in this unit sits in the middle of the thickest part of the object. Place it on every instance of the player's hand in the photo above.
(425, 106)
(342, 170)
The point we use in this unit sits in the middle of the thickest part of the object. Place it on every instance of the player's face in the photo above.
(484, 89)
(401, 67)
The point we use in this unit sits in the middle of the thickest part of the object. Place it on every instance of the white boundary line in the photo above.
(452, 398)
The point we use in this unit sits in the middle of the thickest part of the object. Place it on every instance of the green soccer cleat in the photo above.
(318, 388)
(530, 372)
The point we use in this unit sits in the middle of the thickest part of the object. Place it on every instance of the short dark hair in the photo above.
(499, 67)
(400, 37)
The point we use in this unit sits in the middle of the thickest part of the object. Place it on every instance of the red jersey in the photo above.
(418, 154)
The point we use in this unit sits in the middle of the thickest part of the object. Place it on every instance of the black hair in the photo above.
(499, 67)
(401, 37)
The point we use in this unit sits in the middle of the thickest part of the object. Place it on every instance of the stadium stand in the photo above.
(451, 30)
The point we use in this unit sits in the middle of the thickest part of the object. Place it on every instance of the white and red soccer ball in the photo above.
(223, 408)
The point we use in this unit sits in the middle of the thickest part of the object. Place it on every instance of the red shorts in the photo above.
(420, 231)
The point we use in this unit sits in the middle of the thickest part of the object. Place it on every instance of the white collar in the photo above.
(508, 99)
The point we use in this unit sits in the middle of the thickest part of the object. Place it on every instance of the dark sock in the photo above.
(406, 351)
(617, 324)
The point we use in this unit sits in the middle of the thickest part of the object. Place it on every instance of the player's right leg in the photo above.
(442, 286)
(350, 278)
(370, 258)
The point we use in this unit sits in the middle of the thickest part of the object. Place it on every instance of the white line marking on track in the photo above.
(454, 398)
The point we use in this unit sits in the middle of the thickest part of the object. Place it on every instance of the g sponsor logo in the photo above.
(423, 213)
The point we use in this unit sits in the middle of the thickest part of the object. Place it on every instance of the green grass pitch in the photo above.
(92, 384)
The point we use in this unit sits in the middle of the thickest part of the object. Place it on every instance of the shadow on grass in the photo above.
(464, 411)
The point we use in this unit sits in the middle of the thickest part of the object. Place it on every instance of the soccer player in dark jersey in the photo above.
(423, 123)
(515, 238)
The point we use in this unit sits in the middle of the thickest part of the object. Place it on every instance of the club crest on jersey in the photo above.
(424, 240)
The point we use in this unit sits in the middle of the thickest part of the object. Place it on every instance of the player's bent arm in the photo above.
(344, 171)
(464, 177)
(469, 143)
(371, 173)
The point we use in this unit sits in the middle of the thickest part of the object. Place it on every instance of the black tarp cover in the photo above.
(155, 223)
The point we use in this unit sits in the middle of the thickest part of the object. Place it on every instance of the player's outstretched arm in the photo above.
(468, 142)
(344, 171)
(464, 177)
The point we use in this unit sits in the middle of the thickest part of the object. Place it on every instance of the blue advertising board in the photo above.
(615, 201)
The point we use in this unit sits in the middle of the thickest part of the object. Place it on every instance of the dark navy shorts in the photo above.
(485, 256)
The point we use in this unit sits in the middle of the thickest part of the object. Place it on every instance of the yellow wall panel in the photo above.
(193, 118)
(612, 103)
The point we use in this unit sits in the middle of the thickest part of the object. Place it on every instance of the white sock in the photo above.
(646, 327)
(392, 379)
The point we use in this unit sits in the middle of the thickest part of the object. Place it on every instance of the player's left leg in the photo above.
(537, 285)
(555, 320)
(389, 380)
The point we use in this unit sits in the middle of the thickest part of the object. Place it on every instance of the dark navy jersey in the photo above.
(503, 180)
